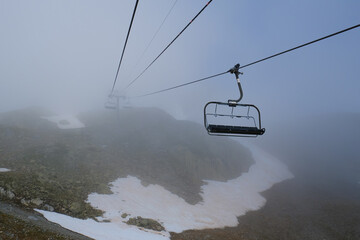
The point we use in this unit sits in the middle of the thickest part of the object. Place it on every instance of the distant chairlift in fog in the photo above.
(115, 100)
(112, 102)
(232, 118)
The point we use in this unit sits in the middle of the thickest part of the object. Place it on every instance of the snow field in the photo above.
(222, 203)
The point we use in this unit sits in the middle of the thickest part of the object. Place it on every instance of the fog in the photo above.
(64, 54)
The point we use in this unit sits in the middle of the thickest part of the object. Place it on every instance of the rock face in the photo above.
(146, 223)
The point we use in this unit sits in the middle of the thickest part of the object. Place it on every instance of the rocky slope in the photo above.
(56, 169)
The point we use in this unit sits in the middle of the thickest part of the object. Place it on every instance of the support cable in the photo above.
(156, 33)
(192, 20)
(249, 64)
(182, 85)
(123, 51)
(300, 46)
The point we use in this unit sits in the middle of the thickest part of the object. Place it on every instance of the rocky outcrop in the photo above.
(146, 223)
(6, 193)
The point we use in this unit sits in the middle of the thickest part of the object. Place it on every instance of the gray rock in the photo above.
(146, 223)
(25, 202)
(49, 208)
(10, 194)
(2, 191)
(37, 201)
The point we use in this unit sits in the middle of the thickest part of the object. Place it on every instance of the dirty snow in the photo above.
(4, 170)
(65, 121)
(104, 230)
(222, 203)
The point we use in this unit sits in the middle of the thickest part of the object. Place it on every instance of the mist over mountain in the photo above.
(325, 146)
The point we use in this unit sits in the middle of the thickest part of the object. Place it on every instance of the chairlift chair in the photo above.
(111, 105)
(116, 100)
(232, 118)
(112, 102)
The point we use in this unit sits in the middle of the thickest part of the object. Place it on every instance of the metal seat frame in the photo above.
(228, 130)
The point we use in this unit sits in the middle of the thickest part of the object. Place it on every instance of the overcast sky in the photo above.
(66, 53)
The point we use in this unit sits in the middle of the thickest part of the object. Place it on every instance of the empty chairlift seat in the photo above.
(235, 130)
(238, 120)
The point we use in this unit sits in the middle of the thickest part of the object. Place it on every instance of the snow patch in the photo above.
(4, 170)
(222, 203)
(103, 230)
(65, 121)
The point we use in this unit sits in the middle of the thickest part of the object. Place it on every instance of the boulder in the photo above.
(145, 223)
(25, 202)
(49, 208)
(36, 201)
